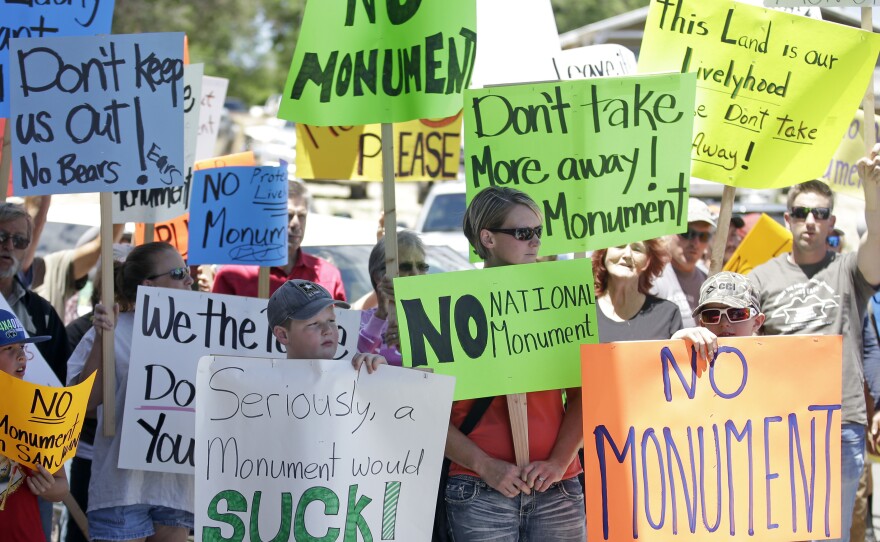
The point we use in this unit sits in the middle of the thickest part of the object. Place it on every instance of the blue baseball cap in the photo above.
(12, 332)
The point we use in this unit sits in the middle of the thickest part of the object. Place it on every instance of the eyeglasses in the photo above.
(407, 267)
(520, 234)
(713, 316)
(178, 273)
(819, 213)
(833, 241)
(690, 235)
(18, 241)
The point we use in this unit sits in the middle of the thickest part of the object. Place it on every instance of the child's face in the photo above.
(726, 328)
(13, 360)
(314, 338)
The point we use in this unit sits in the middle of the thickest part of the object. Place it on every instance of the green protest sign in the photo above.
(371, 61)
(607, 160)
(499, 331)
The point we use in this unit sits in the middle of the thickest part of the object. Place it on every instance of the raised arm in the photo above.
(869, 248)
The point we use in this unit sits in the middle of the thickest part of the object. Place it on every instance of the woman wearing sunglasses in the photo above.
(131, 504)
(488, 497)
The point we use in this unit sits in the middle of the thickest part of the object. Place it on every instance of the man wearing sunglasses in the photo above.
(681, 279)
(812, 290)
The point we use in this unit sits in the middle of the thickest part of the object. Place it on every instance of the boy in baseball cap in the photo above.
(302, 318)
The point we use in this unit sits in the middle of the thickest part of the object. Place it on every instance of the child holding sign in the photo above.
(19, 513)
(486, 490)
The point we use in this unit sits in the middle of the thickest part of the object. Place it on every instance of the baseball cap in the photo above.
(699, 212)
(727, 288)
(299, 299)
(12, 332)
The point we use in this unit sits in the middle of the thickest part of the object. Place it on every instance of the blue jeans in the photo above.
(852, 459)
(134, 521)
(478, 513)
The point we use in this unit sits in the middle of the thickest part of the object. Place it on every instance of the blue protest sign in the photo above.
(97, 114)
(238, 215)
(40, 19)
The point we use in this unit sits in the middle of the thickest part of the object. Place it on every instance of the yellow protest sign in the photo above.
(842, 175)
(775, 91)
(41, 424)
(767, 239)
(424, 150)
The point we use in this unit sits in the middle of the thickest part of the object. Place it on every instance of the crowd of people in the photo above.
(653, 289)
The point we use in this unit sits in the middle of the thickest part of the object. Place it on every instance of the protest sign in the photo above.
(812, 11)
(760, 75)
(159, 204)
(498, 339)
(172, 330)
(97, 114)
(767, 239)
(41, 424)
(733, 451)
(424, 150)
(212, 97)
(387, 62)
(40, 19)
(604, 60)
(829, 3)
(607, 160)
(842, 174)
(38, 370)
(302, 449)
(239, 216)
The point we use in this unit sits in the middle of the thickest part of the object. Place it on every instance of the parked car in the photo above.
(439, 222)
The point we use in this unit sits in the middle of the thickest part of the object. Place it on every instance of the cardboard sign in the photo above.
(842, 174)
(733, 451)
(503, 330)
(211, 109)
(605, 60)
(159, 204)
(29, 19)
(239, 216)
(760, 74)
(97, 114)
(316, 449)
(767, 239)
(387, 62)
(40, 424)
(424, 150)
(172, 330)
(607, 160)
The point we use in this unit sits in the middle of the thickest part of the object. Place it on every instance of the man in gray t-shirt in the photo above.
(814, 291)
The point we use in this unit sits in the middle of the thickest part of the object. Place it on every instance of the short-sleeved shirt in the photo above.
(681, 288)
(242, 279)
(657, 320)
(826, 298)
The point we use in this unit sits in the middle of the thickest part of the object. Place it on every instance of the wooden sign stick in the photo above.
(389, 200)
(6, 160)
(723, 221)
(77, 514)
(263, 283)
(108, 299)
(149, 233)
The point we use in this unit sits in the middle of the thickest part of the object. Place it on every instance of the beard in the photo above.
(13, 270)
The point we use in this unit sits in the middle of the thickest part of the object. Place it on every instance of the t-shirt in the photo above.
(243, 279)
(657, 320)
(827, 298)
(19, 512)
(681, 288)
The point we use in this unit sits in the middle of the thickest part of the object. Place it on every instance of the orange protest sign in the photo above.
(748, 447)
(176, 230)
(767, 239)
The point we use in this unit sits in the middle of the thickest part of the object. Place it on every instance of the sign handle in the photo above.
(390, 202)
(149, 233)
(77, 514)
(6, 160)
(720, 240)
(263, 283)
(108, 299)
(517, 404)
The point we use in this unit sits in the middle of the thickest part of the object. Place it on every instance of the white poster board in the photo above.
(318, 449)
(213, 96)
(819, 3)
(605, 60)
(172, 330)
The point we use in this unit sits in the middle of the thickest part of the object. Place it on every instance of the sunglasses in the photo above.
(18, 241)
(713, 316)
(178, 273)
(407, 267)
(833, 241)
(819, 213)
(520, 234)
(690, 235)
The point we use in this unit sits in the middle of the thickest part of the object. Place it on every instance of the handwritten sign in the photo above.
(172, 330)
(318, 450)
(387, 62)
(842, 174)
(494, 337)
(725, 452)
(607, 160)
(605, 60)
(40, 19)
(424, 150)
(760, 74)
(211, 109)
(97, 114)
(767, 239)
(159, 204)
(40, 424)
(239, 216)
